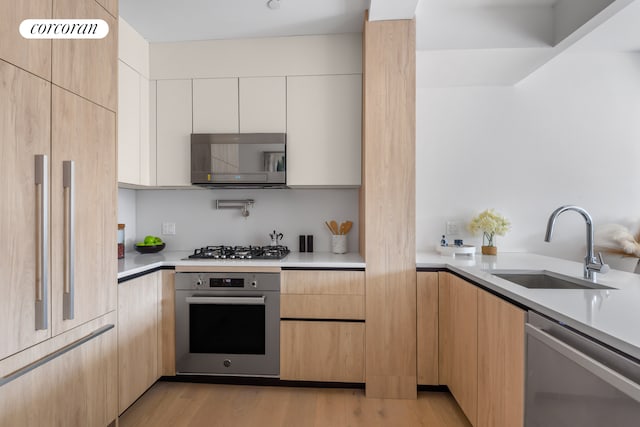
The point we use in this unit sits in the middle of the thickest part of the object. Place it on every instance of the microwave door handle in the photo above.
(226, 300)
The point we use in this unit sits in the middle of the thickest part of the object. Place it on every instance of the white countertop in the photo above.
(611, 316)
(134, 263)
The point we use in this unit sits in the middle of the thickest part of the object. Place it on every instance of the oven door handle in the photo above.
(226, 300)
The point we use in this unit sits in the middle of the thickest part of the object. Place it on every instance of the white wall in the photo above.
(127, 211)
(269, 56)
(291, 212)
(568, 134)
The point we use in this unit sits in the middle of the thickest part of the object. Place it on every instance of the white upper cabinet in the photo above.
(129, 124)
(173, 132)
(215, 106)
(324, 121)
(134, 145)
(263, 104)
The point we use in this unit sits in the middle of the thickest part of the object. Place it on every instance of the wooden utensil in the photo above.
(329, 227)
(343, 227)
(334, 226)
(347, 227)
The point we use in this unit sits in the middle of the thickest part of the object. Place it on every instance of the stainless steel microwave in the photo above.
(239, 160)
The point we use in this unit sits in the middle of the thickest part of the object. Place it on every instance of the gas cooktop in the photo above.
(240, 252)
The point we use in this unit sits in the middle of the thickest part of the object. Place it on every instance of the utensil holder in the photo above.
(339, 244)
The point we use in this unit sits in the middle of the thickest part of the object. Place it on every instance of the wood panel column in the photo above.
(388, 207)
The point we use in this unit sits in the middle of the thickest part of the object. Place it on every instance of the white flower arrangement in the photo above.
(491, 224)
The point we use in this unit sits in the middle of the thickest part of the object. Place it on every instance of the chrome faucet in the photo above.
(591, 263)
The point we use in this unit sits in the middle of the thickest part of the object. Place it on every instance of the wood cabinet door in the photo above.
(77, 388)
(167, 324)
(501, 364)
(25, 105)
(30, 54)
(174, 124)
(137, 338)
(427, 327)
(324, 127)
(88, 68)
(458, 336)
(312, 294)
(322, 351)
(84, 133)
(263, 104)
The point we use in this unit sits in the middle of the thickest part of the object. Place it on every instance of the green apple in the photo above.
(149, 240)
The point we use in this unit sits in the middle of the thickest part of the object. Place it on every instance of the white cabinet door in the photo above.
(173, 132)
(324, 116)
(129, 122)
(263, 104)
(215, 105)
(145, 142)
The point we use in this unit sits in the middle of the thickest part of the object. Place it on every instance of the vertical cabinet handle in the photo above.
(69, 239)
(42, 241)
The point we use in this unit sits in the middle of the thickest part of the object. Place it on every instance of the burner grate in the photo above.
(240, 252)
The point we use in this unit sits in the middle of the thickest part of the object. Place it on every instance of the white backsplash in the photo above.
(127, 215)
(198, 223)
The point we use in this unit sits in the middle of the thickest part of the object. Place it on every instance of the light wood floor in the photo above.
(184, 404)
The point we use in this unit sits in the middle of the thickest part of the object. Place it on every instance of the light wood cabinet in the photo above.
(87, 68)
(316, 294)
(324, 120)
(427, 327)
(215, 106)
(29, 54)
(110, 5)
(482, 353)
(458, 335)
(501, 359)
(25, 124)
(173, 135)
(138, 334)
(77, 388)
(316, 350)
(72, 120)
(167, 324)
(263, 104)
(322, 351)
(84, 133)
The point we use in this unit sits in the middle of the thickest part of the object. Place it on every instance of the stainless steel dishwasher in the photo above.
(574, 381)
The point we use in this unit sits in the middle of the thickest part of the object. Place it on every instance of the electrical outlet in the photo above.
(452, 228)
(168, 228)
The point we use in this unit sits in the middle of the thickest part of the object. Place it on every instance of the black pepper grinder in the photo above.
(310, 243)
(302, 243)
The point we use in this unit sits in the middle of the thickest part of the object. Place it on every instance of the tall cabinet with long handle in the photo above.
(25, 103)
(58, 221)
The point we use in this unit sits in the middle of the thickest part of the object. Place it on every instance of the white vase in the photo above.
(339, 244)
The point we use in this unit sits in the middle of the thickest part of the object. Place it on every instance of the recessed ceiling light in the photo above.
(273, 4)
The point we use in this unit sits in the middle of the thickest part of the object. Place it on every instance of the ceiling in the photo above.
(459, 42)
(174, 20)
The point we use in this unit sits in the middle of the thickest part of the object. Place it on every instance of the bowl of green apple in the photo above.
(150, 245)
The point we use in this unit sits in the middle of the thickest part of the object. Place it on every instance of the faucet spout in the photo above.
(591, 263)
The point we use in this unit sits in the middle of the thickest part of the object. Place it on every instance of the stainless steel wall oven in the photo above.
(228, 324)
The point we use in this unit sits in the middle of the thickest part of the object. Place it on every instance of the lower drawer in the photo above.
(322, 351)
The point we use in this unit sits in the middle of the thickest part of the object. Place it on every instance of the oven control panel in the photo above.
(228, 281)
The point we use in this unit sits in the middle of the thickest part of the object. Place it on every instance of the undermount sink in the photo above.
(546, 280)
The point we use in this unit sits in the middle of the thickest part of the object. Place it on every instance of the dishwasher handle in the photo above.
(226, 300)
(616, 380)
